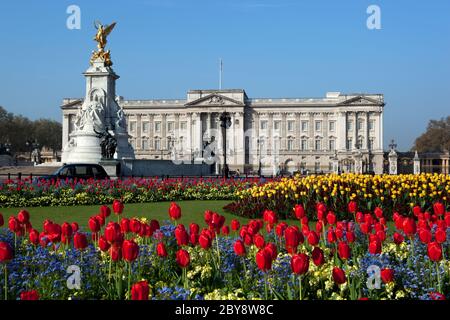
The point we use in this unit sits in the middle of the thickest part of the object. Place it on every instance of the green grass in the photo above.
(191, 211)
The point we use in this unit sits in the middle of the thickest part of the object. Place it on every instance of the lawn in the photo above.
(191, 211)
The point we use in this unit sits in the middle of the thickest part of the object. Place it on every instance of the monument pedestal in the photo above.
(112, 167)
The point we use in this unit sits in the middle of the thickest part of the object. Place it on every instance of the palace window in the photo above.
(263, 124)
(183, 125)
(317, 167)
(332, 145)
(170, 126)
(360, 142)
(332, 126)
(158, 126)
(304, 126)
(144, 144)
(304, 145)
(145, 127)
(276, 125)
(291, 125)
(371, 143)
(349, 144)
(318, 126)
(350, 125)
(360, 124)
(372, 125)
(132, 126)
(290, 144)
(157, 144)
(318, 144)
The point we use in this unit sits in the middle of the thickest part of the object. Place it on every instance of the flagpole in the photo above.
(220, 74)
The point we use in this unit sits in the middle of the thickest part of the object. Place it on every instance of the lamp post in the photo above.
(225, 123)
(259, 156)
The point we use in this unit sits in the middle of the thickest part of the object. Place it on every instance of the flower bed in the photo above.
(390, 192)
(26, 193)
(138, 259)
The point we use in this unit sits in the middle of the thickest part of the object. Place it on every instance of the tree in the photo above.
(436, 138)
(17, 130)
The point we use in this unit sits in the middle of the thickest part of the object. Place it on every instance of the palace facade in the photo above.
(339, 132)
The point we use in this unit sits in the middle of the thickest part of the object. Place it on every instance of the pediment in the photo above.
(215, 100)
(361, 101)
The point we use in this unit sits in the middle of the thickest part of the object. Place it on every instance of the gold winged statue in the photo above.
(101, 37)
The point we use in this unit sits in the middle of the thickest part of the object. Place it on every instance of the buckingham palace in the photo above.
(336, 133)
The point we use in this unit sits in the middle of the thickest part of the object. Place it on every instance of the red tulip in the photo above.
(437, 296)
(248, 239)
(135, 226)
(319, 226)
(318, 256)
(100, 219)
(154, 224)
(67, 230)
(161, 250)
(440, 235)
(375, 247)
(113, 232)
(23, 216)
(181, 235)
(125, 225)
(351, 237)
(339, 276)
(182, 258)
(235, 225)
(225, 230)
(105, 211)
(378, 212)
(280, 229)
(29, 295)
(194, 228)
(417, 210)
(140, 291)
(103, 244)
(208, 216)
(80, 241)
(94, 225)
(13, 224)
(352, 207)
(293, 238)
(174, 211)
(6, 252)
(193, 239)
(434, 251)
(54, 232)
(409, 227)
(299, 211)
(270, 217)
(130, 250)
(344, 250)
(313, 238)
(34, 237)
(272, 249)
(115, 252)
(398, 238)
(438, 208)
(387, 275)
(205, 241)
(259, 241)
(118, 207)
(425, 236)
(331, 236)
(264, 260)
(239, 248)
(331, 218)
(300, 263)
(359, 217)
(366, 228)
(74, 226)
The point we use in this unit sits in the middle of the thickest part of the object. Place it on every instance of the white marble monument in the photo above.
(99, 114)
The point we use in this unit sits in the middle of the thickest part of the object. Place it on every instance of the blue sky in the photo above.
(284, 48)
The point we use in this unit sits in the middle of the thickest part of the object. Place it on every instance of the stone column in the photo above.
(197, 133)
(380, 137)
(138, 131)
(311, 131)
(341, 130)
(298, 132)
(393, 162)
(163, 134)
(367, 131)
(416, 163)
(325, 143)
(355, 130)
